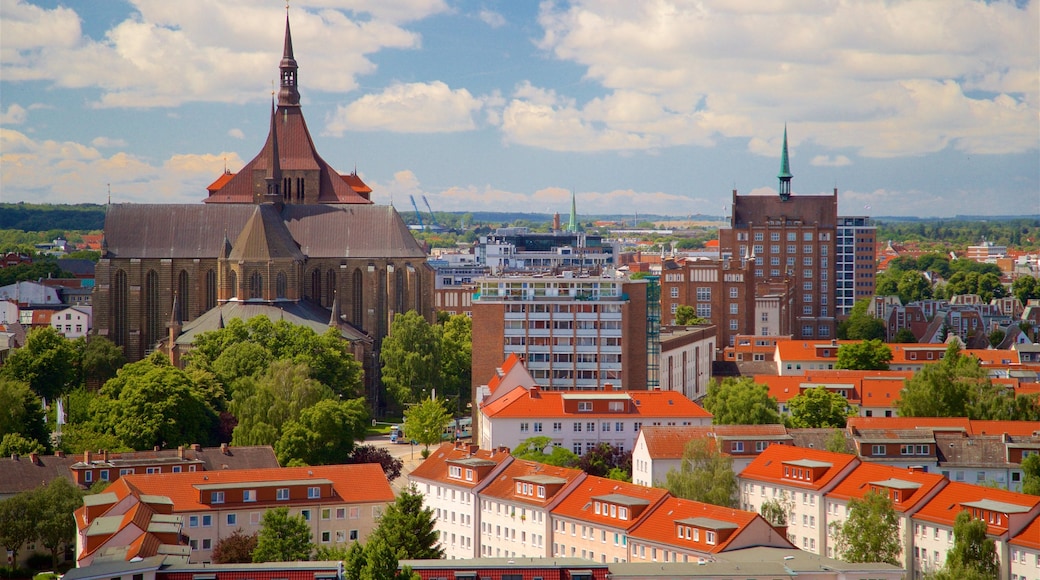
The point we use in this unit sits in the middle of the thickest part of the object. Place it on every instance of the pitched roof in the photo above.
(503, 485)
(858, 482)
(435, 467)
(669, 442)
(955, 497)
(301, 313)
(357, 483)
(265, 237)
(659, 526)
(769, 465)
(578, 504)
(520, 403)
(968, 426)
(1029, 537)
(23, 474)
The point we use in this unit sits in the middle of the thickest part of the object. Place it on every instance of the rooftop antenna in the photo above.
(109, 193)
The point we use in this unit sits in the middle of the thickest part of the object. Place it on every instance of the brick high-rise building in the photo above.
(722, 291)
(789, 238)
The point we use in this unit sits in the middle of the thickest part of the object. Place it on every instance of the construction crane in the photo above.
(433, 218)
(418, 216)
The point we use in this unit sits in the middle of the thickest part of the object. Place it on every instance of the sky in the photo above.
(927, 108)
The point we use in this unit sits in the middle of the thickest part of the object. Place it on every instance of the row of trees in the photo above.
(42, 515)
(419, 357)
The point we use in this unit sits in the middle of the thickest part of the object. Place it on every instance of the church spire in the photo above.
(572, 224)
(274, 167)
(288, 94)
(785, 171)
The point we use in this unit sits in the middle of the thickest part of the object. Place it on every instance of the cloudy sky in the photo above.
(909, 108)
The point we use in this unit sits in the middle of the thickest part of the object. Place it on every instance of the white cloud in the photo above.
(409, 108)
(492, 18)
(15, 115)
(107, 142)
(68, 172)
(829, 161)
(885, 79)
(236, 133)
(168, 53)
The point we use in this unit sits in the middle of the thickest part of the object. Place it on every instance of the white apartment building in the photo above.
(73, 322)
(659, 449)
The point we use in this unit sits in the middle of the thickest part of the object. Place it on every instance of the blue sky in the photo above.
(909, 108)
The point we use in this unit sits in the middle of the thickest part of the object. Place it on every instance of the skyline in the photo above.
(926, 108)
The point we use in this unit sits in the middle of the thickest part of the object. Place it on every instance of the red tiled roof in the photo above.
(358, 483)
(857, 483)
(220, 182)
(507, 366)
(435, 467)
(990, 357)
(578, 504)
(503, 486)
(945, 506)
(549, 404)
(670, 442)
(659, 526)
(969, 426)
(356, 184)
(769, 466)
(1029, 537)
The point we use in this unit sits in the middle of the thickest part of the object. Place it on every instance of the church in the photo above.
(287, 237)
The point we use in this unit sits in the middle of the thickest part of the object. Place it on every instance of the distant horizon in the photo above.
(483, 105)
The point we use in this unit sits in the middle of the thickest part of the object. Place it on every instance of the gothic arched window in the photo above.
(233, 282)
(152, 309)
(120, 297)
(256, 285)
(282, 285)
(330, 287)
(211, 289)
(356, 306)
(183, 296)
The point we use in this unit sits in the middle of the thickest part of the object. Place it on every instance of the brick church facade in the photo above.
(286, 236)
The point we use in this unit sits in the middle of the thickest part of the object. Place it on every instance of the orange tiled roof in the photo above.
(969, 426)
(220, 181)
(857, 483)
(358, 483)
(883, 391)
(355, 183)
(769, 466)
(990, 357)
(503, 485)
(435, 467)
(659, 526)
(670, 442)
(507, 366)
(520, 403)
(945, 506)
(578, 504)
(1029, 537)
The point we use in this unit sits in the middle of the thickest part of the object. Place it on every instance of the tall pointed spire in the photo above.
(273, 178)
(572, 224)
(785, 171)
(334, 319)
(288, 94)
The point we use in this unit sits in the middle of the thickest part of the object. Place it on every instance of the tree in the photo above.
(1025, 288)
(741, 402)
(262, 405)
(235, 549)
(283, 538)
(871, 532)
(973, 553)
(704, 475)
(1031, 474)
(456, 356)
(904, 336)
(48, 363)
(604, 459)
(324, 434)
(55, 525)
(21, 413)
(837, 442)
(533, 449)
(776, 510)
(686, 315)
(18, 521)
(410, 357)
(101, 360)
(15, 444)
(151, 402)
(407, 528)
(913, 287)
(860, 325)
(996, 337)
(425, 421)
(371, 454)
(869, 355)
(948, 388)
(817, 408)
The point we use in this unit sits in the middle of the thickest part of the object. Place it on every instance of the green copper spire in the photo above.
(785, 171)
(572, 225)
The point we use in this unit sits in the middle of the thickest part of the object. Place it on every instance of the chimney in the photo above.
(104, 455)
(156, 448)
(60, 453)
(535, 394)
(502, 449)
(14, 456)
(197, 447)
(224, 449)
(35, 458)
(87, 456)
(180, 452)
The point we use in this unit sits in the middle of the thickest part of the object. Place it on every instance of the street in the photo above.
(409, 454)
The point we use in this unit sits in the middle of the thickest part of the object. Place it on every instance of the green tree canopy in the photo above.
(324, 434)
(21, 413)
(48, 363)
(860, 325)
(1031, 474)
(101, 360)
(818, 408)
(605, 460)
(741, 402)
(425, 421)
(904, 336)
(235, 549)
(775, 510)
(952, 387)
(871, 532)
(407, 529)
(55, 526)
(151, 402)
(283, 538)
(18, 521)
(533, 449)
(456, 356)
(704, 475)
(869, 355)
(411, 358)
(973, 553)
(686, 315)
(264, 404)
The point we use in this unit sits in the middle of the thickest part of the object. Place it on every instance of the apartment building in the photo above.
(686, 357)
(722, 291)
(1025, 553)
(449, 481)
(855, 264)
(572, 332)
(581, 420)
(341, 503)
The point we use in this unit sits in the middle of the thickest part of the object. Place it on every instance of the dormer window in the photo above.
(216, 497)
(584, 406)
(616, 406)
(469, 475)
(622, 513)
(454, 471)
(541, 491)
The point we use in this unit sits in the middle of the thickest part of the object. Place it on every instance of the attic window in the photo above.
(584, 406)
(455, 471)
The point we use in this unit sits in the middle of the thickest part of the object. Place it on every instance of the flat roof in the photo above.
(896, 483)
(997, 506)
(708, 523)
(542, 479)
(808, 463)
(621, 499)
(252, 484)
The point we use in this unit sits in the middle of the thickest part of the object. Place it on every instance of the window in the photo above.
(104, 475)
(232, 519)
(153, 470)
(704, 294)
(249, 495)
(326, 513)
(577, 427)
(760, 446)
(675, 292)
(709, 537)
(354, 535)
(193, 521)
(207, 521)
(734, 308)
(538, 427)
(326, 537)
(282, 494)
(584, 407)
(207, 544)
(455, 471)
(525, 427)
(878, 449)
(738, 447)
(313, 492)
(557, 427)
(306, 515)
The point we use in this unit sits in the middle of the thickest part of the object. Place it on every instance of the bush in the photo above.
(15, 572)
(39, 561)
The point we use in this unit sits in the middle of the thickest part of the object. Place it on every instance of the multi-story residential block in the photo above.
(128, 527)
(1025, 553)
(582, 420)
(596, 518)
(449, 481)
(722, 291)
(573, 332)
(908, 489)
(680, 530)
(804, 476)
(758, 348)
(855, 262)
(659, 449)
(686, 357)
(518, 249)
(870, 392)
(341, 503)
(515, 508)
(1006, 513)
(72, 322)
